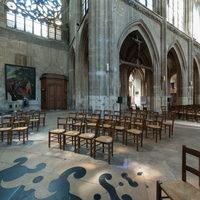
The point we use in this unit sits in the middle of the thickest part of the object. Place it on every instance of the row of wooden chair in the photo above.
(78, 127)
(18, 124)
(187, 112)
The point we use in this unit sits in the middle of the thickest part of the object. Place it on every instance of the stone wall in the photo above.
(46, 56)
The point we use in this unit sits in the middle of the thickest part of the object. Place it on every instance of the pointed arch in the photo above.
(180, 54)
(153, 76)
(141, 27)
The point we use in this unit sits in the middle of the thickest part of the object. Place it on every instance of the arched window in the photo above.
(41, 18)
(196, 20)
(84, 7)
(175, 13)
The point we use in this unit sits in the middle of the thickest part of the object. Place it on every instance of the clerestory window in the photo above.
(147, 3)
(196, 20)
(175, 13)
(84, 7)
(39, 17)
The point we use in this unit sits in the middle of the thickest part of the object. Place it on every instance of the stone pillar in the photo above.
(164, 75)
(2, 15)
(101, 70)
(190, 72)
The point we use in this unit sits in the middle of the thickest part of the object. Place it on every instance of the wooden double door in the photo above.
(53, 92)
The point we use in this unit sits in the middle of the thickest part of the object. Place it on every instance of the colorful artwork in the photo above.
(20, 82)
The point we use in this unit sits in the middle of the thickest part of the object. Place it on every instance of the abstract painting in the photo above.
(20, 82)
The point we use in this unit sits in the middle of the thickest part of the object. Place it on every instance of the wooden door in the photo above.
(54, 92)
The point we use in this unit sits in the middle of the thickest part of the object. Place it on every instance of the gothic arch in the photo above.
(196, 81)
(141, 27)
(154, 78)
(180, 54)
(176, 65)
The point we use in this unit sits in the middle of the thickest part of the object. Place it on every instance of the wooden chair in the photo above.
(106, 140)
(35, 120)
(120, 127)
(42, 118)
(6, 129)
(136, 132)
(56, 137)
(169, 123)
(89, 136)
(20, 129)
(70, 121)
(181, 189)
(61, 122)
(155, 127)
(71, 136)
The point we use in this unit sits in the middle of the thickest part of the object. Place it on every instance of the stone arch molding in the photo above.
(197, 62)
(180, 54)
(141, 27)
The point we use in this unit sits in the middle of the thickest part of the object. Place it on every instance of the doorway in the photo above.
(136, 72)
(174, 78)
(53, 92)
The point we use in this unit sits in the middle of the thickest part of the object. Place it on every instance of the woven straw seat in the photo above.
(57, 131)
(71, 133)
(134, 131)
(180, 190)
(104, 139)
(87, 136)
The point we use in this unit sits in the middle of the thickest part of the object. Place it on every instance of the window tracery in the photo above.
(39, 17)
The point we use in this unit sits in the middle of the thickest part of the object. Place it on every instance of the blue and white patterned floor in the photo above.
(47, 177)
(33, 171)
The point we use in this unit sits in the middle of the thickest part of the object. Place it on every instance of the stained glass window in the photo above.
(175, 13)
(35, 16)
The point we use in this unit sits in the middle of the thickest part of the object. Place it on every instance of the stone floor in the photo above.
(33, 171)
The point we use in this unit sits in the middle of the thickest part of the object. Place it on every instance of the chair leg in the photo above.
(158, 191)
(2, 136)
(126, 138)
(64, 142)
(156, 136)
(91, 148)
(94, 155)
(137, 141)
(75, 141)
(123, 135)
(79, 144)
(112, 148)
(109, 153)
(23, 132)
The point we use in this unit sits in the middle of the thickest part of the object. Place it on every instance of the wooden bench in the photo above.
(181, 189)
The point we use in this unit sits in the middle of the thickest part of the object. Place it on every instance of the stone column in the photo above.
(164, 75)
(100, 61)
(2, 15)
(190, 72)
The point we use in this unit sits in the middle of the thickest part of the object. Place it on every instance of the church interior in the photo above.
(99, 99)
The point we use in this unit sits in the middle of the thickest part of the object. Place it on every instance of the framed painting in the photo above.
(20, 82)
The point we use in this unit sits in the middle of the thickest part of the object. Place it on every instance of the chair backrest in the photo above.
(186, 167)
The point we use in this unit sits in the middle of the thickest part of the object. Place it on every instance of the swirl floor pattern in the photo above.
(33, 171)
